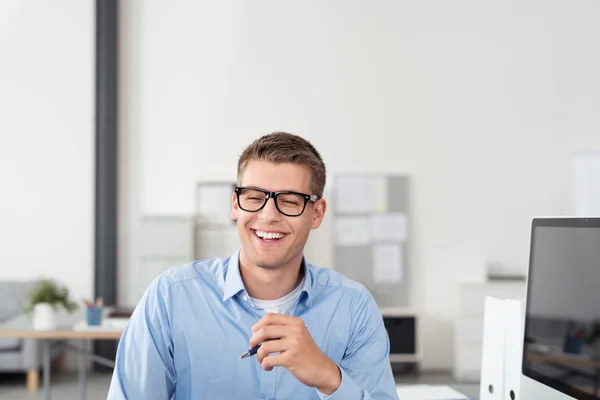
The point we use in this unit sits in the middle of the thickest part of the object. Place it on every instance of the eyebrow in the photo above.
(282, 190)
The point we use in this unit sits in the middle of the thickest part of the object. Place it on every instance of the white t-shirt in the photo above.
(281, 305)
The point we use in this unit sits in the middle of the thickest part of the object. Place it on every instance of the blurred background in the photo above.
(114, 114)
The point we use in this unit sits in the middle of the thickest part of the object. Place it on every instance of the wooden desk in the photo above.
(22, 328)
(563, 360)
(61, 334)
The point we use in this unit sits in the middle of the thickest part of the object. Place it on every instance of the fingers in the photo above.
(277, 319)
(269, 332)
(273, 361)
(273, 346)
(281, 336)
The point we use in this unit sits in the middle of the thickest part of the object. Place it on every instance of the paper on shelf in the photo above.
(352, 231)
(361, 194)
(108, 325)
(380, 194)
(387, 263)
(389, 227)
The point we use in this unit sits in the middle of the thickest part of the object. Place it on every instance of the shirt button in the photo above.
(245, 298)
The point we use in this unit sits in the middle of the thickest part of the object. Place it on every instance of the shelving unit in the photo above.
(215, 233)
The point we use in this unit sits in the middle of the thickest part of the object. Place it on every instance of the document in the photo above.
(214, 203)
(380, 195)
(387, 263)
(361, 194)
(352, 231)
(429, 392)
(389, 227)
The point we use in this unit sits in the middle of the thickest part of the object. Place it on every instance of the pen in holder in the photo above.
(93, 315)
(93, 312)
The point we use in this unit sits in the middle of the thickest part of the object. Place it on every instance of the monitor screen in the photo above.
(562, 320)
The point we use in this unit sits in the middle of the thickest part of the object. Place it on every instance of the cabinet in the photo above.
(402, 326)
(166, 242)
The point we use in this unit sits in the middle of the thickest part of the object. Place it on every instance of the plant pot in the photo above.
(44, 318)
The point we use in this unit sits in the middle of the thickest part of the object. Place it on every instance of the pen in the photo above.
(251, 352)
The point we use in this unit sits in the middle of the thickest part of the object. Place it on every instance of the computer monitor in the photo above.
(561, 358)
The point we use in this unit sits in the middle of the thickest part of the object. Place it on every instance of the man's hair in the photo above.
(283, 147)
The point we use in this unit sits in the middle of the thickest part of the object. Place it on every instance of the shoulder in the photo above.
(352, 299)
(330, 280)
(201, 272)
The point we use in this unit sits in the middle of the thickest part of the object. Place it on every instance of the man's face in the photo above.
(259, 231)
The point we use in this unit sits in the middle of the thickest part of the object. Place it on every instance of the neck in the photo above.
(270, 283)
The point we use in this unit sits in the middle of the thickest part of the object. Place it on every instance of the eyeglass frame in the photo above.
(274, 195)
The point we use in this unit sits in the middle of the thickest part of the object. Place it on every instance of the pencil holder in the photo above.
(93, 316)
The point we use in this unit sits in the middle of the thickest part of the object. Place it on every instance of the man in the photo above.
(321, 334)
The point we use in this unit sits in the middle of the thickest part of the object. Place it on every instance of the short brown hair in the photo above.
(283, 147)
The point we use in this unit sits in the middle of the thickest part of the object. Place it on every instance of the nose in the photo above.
(270, 211)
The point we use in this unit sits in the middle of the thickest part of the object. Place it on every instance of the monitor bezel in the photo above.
(558, 222)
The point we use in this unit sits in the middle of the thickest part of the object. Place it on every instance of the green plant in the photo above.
(51, 292)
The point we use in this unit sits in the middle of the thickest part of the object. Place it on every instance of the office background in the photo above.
(483, 104)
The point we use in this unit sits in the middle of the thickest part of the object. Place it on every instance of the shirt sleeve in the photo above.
(144, 367)
(366, 369)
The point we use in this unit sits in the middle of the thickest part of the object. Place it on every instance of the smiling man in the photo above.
(263, 323)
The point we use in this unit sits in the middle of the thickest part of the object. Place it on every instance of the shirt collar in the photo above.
(308, 281)
(234, 283)
(233, 279)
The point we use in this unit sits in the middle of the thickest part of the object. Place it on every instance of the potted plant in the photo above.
(46, 297)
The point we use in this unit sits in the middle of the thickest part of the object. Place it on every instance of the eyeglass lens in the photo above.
(288, 203)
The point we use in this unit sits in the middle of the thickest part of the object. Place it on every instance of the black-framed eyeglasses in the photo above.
(288, 203)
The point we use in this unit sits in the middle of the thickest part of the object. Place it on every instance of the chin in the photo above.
(267, 262)
(267, 265)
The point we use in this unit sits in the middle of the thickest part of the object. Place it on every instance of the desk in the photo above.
(22, 327)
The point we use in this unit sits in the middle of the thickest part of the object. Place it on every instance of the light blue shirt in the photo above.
(193, 322)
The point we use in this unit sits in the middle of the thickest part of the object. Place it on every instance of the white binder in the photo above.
(513, 348)
(492, 356)
(502, 349)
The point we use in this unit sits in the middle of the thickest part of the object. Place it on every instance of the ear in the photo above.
(319, 209)
(234, 207)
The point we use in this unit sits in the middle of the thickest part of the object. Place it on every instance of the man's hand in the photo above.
(297, 350)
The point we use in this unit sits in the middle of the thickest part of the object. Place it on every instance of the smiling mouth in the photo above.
(269, 236)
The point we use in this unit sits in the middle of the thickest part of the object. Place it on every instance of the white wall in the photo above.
(47, 142)
(482, 103)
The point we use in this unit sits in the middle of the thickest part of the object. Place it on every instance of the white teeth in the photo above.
(269, 235)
